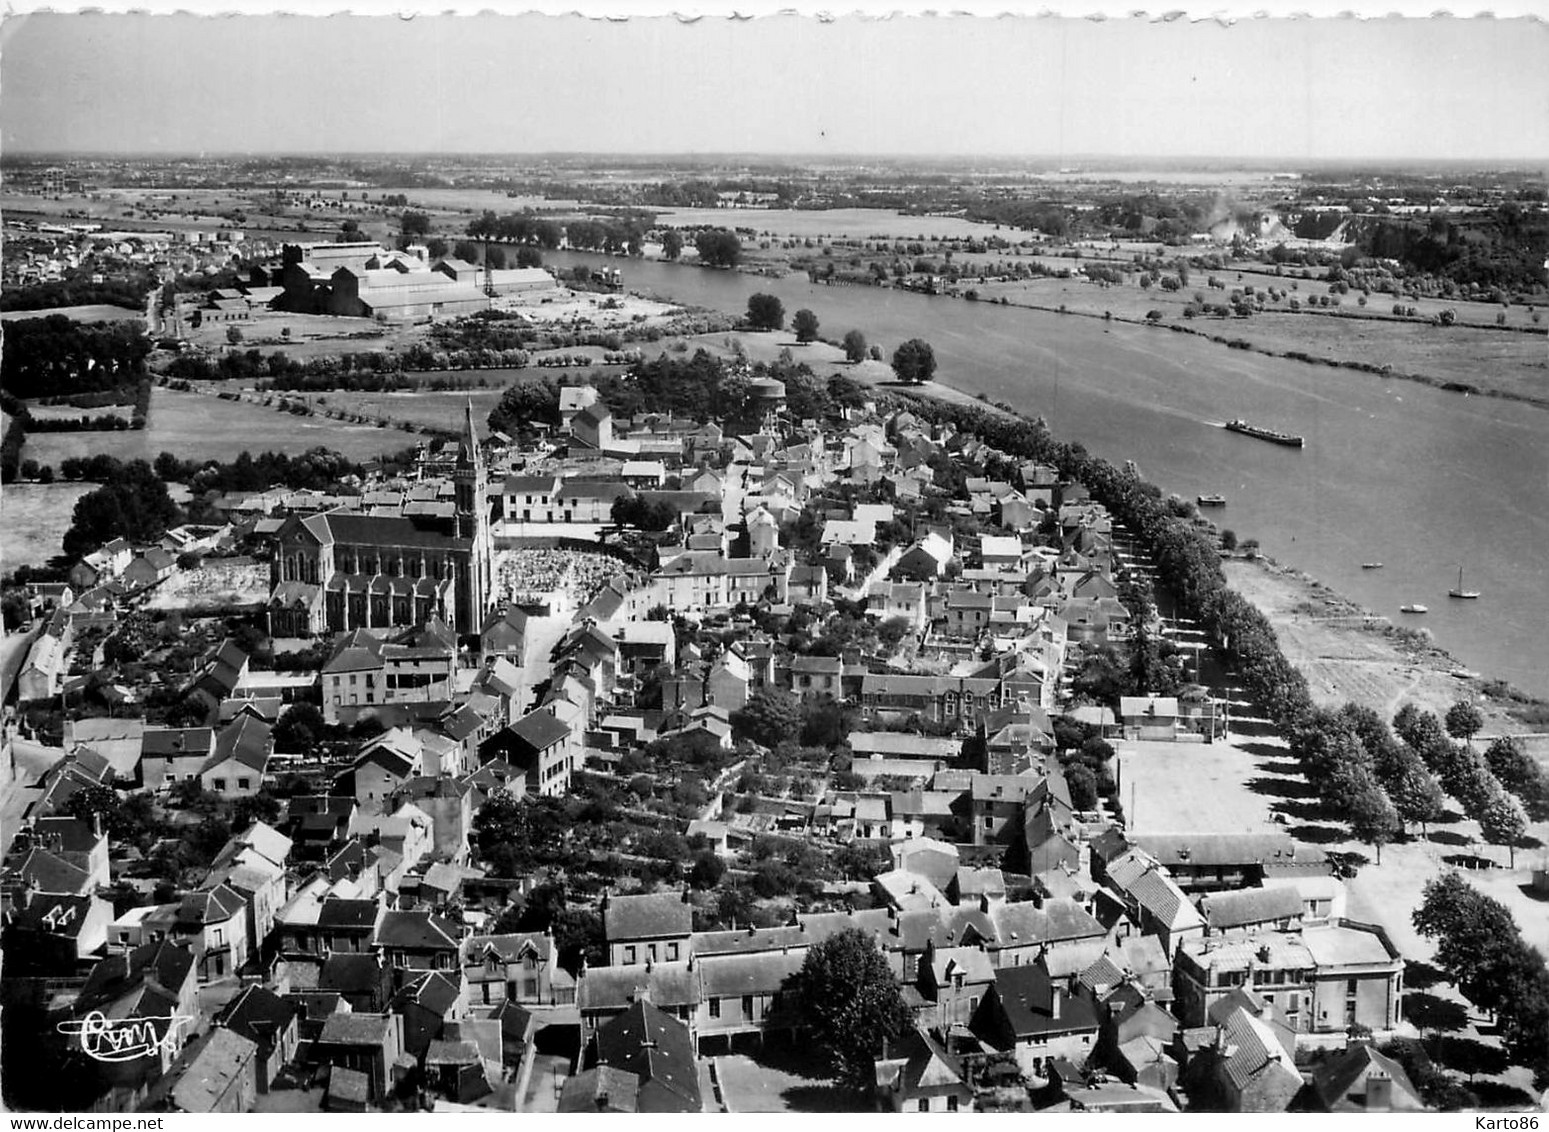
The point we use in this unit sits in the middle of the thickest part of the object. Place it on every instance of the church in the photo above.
(342, 569)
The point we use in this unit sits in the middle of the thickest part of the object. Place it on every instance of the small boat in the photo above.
(1414, 608)
(1262, 433)
(1458, 590)
(1212, 500)
(1371, 565)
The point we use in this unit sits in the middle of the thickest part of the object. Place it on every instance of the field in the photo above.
(95, 312)
(423, 407)
(1513, 363)
(837, 223)
(34, 518)
(195, 426)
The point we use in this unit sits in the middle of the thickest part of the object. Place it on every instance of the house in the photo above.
(926, 560)
(813, 677)
(418, 940)
(1025, 1012)
(1324, 979)
(368, 1044)
(239, 758)
(1361, 1079)
(149, 567)
(217, 1073)
(601, 1089)
(270, 1023)
(654, 927)
(1149, 718)
(540, 746)
(921, 1076)
(504, 634)
(213, 924)
(219, 677)
(53, 934)
(1249, 1069)
(592, 427)
(518, 967)
(1248, 910)
(743, 998)
(955, 980)
(657, 1050)
(382, 766)
(1152, 900)
(169, 755)
(456, 1070)
(362, 981)
(426, 1003)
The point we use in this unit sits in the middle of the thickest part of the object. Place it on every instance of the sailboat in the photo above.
(1459, 591)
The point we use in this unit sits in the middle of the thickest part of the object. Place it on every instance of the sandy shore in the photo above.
(1349, 653)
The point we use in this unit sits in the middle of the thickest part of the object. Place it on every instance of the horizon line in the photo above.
(793, 156)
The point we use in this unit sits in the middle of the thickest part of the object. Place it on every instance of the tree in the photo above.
(1372, 816)
(1473, 934)
(854, 347)
(414, 226)
(297, 731)
(495, 258)
(437, 247)
(771, 714)
(718, 247)
(672, 244)
(1083, 786)
(1464, 720)
(134, 505)
(1415, 795)
(766, 312)
(467, 251)
(1503, 822)
(805, 324)
(707, 870)
(914, 362)
(852, 1005)
(234, 335)
(528, 256)
(1517, 770)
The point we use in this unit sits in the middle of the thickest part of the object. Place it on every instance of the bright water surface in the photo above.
(1418, 479)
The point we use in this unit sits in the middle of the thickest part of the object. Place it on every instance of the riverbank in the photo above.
(1349, 653)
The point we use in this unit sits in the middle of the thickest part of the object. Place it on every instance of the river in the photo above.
(1421, 480)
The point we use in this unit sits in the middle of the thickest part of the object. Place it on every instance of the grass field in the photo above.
(34, 518)
(196, 426)
(95, 312)
(1486, 359)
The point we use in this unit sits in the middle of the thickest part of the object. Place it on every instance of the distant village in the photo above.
(558, 755)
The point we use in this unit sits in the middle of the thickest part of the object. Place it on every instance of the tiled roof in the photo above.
(1250, 906)
(356, 1028)
(764, 973)
(1033, 1006)
(657, 915)
(657, 1049)
(1255, 1050)
(416, 930)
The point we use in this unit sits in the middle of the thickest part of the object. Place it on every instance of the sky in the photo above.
(1310, 89)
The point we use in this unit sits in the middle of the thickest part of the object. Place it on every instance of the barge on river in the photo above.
(1268, 434)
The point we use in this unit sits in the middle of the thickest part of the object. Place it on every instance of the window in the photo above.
(715, 1008)
(244, 783)
(672, 952)
(952, 1102)
(217, 784)
(629, 954)
(747, 1006)
(1350, 986)
(922, 1105)
(650, 952)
